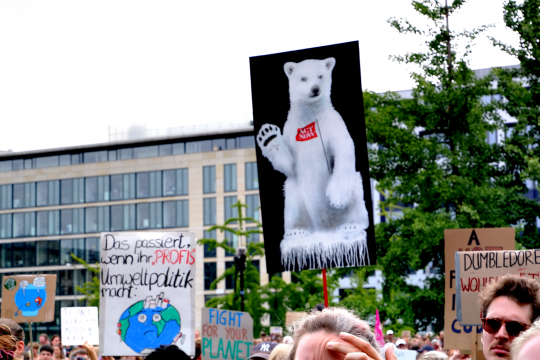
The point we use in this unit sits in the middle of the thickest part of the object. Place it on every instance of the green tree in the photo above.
(90, 288)
(432, 158)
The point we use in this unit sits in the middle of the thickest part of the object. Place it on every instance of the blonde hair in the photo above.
(8, 341)
(280, 352)
(434, 355)
(520, 341)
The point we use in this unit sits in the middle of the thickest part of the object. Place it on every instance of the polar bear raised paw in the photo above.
(267, 136)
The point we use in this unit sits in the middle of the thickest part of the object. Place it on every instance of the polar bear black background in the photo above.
(312, 159)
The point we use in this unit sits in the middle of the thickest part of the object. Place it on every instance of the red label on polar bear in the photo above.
(306, 133)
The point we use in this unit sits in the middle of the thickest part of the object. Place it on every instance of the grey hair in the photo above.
(433, 355)
(520, 341)
(332, 321)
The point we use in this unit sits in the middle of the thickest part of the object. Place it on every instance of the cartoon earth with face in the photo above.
(147, 324)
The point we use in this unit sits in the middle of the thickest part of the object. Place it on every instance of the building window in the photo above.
(24, 254)
(149, 216)
(95, 156)
(123, 217)
(5, 226)
(97, 219)
(252, 177)
(24, 224)
(145, 151)
(253, 237)
(71, 221)
(209, 210)
(229, 210)
(92, 250)
(209, 179)
(48, 223)
(232, 241)
(230, 177)
(148, 184)
(48, 193)
(178, 149)
(126, 154)
(48, 253)
(5, 196)
(209, 235)
(97, 189)
(175, 182)
(24, 195)
(72, 191)
(246, 141)
(229, 279)
(252, 211)
(176, 214)
(71, 246)
(46, 161)
(210, 274)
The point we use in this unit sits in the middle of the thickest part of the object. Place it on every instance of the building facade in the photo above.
(54, 203)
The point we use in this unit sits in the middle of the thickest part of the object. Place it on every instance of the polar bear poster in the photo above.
(312, 154)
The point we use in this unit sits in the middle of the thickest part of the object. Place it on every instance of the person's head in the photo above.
(168, 352)
(43, 339)
(78, 354)
(277, 338)
(436, 344)
(401, 344)
(35, 347)
(319, 327)
(425, 349)
(433, 355)
(508, 306)
(8, 343)
(55, 340)
(390, 335)
(16, 331)
(527, 345)
(46, 352)
(58, 352)
(197, 334)
(280, 352)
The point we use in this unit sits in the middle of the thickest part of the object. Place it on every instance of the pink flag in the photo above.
(378, 329)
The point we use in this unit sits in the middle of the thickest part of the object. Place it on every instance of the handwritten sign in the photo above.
(147, 289)
(455, 335)
(226, 334)
(28, 298)
(79, 324)
(405, 354)
(477, 269)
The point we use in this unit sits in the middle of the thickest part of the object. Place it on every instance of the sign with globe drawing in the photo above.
(147, 285)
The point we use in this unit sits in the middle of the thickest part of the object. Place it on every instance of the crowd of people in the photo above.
(510, 314)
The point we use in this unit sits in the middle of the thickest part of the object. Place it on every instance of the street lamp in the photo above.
(240, 264)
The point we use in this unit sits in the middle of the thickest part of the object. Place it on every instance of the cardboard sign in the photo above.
(406, 334)
(276, 330)
(226, 334)
(312, 159)
(455, 335)
(292, 316)
(405, 354)
(79, 324)
(475, 270)
(147, 286)
(28, 298)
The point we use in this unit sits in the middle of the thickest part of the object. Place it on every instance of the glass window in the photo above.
(229, 280)
(206, 145)
(6, 192)
(209, 179)
(143, 185)
(252, 176)
(232, 241)
(230, 177)
(24, 254)
(66, 249)
(117, 182)
(47, 161)
(209, 210)
(48, 193)
(66, 191)
(66, 221)
(169, 182)
(92, 250)
(229, 210)
(75, 159)
(24, 195)
(24, 224)
(149, 216)
(176, 213)
(48, 223)
(155, 184)
(254, 237)
(210, 274)
(95, 156)
(91, 189)
(65, 159)
(48, 253)
(218, 144)
(145, 151)
(5, 165)
(126, 154)
(97, 219)
(6, 226)
(193, 147)
(252, 211)
(97, 188)
(112, 155)
(231, 143)
(209, 235)
(178, 149)
(123, 217)
(6, 256)
(182, 182)
(246, 141)
(17, 164)
(28, 163)
(129, 217)
(129, 186)
(165, 150)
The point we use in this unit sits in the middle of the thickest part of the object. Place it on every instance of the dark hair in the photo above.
(54, 337)
(166, 352)
(8, 341)
(519, 289)
(47, 348)
(332, 321)
(43, 334)
(15, 328)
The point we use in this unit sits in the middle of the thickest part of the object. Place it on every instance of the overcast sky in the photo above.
(70, 69)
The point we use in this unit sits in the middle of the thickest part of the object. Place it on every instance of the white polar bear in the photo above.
(325, 212)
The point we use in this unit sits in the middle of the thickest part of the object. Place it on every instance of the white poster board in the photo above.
(79, 324)
(226, 334)
(405, 354)
(147, 286)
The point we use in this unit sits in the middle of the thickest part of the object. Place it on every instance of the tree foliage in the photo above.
(431, 158)
(90, 289)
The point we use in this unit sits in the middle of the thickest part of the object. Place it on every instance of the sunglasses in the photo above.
(513, 328)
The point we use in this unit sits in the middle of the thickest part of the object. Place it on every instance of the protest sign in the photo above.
(28, 298)
(276, 330)
(405, 354)
(226, 334)
(455, 335)
(147, 289)
(79, 324)
(475, 270)
(312, 158)
(292, 316)
(406, 334)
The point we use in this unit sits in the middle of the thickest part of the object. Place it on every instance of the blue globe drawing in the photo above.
(145, 326)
